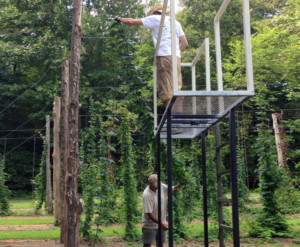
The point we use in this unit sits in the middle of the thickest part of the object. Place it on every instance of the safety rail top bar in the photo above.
(222, 10)
(248, 48)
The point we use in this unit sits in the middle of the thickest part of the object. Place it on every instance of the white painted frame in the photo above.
(248, 48)
(173, 51)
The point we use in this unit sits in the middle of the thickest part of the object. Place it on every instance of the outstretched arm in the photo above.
(183, 42)
(131, 21)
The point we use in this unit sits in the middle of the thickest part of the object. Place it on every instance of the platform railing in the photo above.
(247, 38)
(204, 48)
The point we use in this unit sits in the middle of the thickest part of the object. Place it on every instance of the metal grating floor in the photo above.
(194, 112)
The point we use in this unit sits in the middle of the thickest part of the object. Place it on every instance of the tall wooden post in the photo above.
(280, 143)
(56, 161)
(49, 203)
(65, 145)
(74, 205)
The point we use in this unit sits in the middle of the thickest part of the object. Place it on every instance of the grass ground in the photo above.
(23, 228)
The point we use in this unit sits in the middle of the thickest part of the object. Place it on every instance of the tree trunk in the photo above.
(49, 203)
(74, 205)
(280, 142)
(56, 161)
(65, 145)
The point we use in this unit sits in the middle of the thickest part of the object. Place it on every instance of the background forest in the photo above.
(116, 97)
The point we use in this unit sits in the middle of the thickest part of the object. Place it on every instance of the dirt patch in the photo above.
(28, 217)
(22, 209)
(30, 243)
(283, 242)
(294, 216)
(27, 227)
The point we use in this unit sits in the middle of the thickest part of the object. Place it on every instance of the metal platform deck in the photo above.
(193, 112)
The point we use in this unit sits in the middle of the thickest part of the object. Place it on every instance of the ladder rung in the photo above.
(229, 228)
(225, 172)
(222, 145)
(224, 199)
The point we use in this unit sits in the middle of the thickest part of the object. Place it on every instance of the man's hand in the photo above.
(176, 188)
(165, 226)
(118, 19)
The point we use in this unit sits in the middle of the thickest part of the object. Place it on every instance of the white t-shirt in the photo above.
(151, 206)
(153, 22)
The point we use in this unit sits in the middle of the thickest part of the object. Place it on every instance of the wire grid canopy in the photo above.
(193, 112)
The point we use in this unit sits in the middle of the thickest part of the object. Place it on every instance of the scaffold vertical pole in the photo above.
(204, 189)
(234, 187)
(159, 189)
(170, 192)
(219, 181)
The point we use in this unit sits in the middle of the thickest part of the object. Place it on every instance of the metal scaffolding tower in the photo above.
(201, 111)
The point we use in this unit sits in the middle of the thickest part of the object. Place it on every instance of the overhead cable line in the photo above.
(20, 138)
(21, 144)
(23, 123)
(21, 130)
(11, 103)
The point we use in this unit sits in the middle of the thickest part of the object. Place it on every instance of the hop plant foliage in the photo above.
(98, 191)
(4, 191)
(40, 180)
(270, 222)
(129, 179)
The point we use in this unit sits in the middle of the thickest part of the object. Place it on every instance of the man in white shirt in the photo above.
(164, 60)
(150, 211)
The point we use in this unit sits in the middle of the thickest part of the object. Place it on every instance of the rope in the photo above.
(33, 164)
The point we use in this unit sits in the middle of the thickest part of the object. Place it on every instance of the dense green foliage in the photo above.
(40, 180)
(4, 191)
(97, 190)
(128, 179)
(270, 222)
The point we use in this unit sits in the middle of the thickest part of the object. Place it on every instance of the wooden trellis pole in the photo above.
(74, 204)
(56, 161)
(49, 203)
(280, 142)
(65, 144)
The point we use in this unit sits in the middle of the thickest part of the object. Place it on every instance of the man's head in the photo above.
(156, 10)
(153, 181)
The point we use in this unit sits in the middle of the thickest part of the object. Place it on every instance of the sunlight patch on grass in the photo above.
(21, 203)
(28, 213)
(47, 234)
(294, 224)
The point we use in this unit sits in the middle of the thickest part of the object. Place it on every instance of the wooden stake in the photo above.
(74, 204)
(280, 143)
(65, 145)
(49, 203)
(56, 161)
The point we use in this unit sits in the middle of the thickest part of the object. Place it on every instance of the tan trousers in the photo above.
(164, 77)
